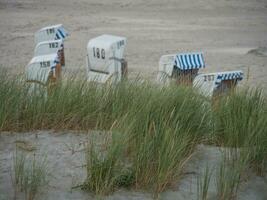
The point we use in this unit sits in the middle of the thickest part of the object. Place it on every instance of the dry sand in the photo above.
(65, 155)
(224, 30)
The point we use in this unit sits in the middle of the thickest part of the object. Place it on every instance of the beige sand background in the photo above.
(66, 158)
(225, 30)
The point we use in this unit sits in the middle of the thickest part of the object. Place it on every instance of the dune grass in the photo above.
(158, 128)
(203, 183)
(159, 136)
(229, 174)
(241, 122)
(30, 174)
(104, 165)
(162, 135)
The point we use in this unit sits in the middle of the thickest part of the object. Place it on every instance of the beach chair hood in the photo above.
(104, 56)
(183, 61)
(54, 32)
(207, 83)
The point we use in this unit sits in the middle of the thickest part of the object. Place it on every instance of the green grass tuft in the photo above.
(151, 131)
(30, 174)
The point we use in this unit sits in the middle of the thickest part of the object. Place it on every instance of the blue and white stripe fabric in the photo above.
(231, 75)
(53, 67)
(188, 61)
(61, 34)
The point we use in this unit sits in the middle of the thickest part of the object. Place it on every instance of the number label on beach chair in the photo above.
(105, 58)
(50, 31)
(99, 54)
(53, 45)
(45, 64)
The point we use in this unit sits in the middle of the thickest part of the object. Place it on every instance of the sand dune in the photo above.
(65, 154)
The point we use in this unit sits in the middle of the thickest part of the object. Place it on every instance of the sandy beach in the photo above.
(232, 34)
(225, 31)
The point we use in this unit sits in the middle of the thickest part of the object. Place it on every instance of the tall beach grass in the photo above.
(30, 174)
(241, 122)
(158, 127)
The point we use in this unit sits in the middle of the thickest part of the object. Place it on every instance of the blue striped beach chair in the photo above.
(181, 67)
(218, 83)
